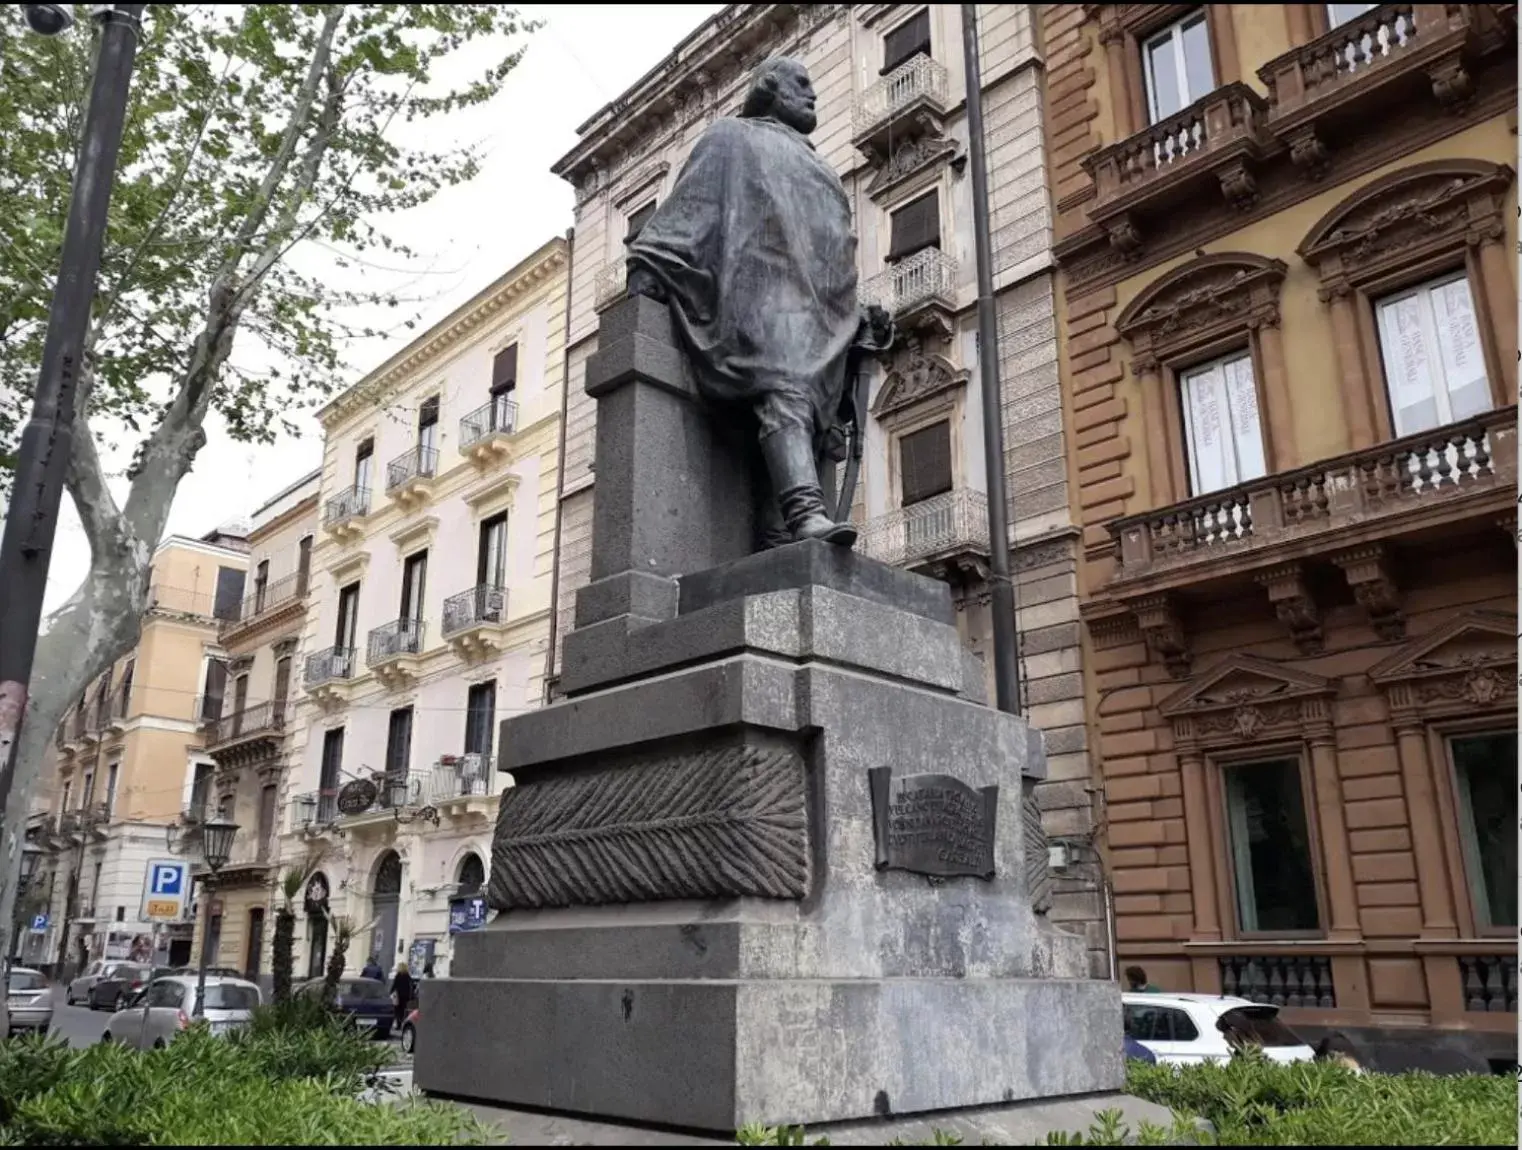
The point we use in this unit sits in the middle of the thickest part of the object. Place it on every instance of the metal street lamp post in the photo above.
(216, 846)
(42, 460)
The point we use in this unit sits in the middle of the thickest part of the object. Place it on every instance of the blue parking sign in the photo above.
(165, 887)
(168, 880)
(39, 923)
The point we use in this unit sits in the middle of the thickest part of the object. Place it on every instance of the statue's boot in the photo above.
(789, 456)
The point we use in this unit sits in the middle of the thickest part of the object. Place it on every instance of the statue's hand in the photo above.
(643, 282)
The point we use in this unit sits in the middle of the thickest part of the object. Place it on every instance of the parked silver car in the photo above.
(78, 991)
(156, 1016)
(28, 1000)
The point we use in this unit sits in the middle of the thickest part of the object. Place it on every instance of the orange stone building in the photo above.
(1287, 293)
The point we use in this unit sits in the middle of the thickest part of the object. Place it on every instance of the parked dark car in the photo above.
(366, 1001)
(1134, 1049)
(109, 991)
(193, 972)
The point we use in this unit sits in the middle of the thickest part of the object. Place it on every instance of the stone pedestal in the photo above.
(695, 930)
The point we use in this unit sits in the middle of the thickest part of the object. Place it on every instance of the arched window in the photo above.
(388, 875)
(472, 876)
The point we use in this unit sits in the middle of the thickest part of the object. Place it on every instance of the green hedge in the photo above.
(280, 1084)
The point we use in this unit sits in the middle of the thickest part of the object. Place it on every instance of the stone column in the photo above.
(1426, 838)
(1114, 40)
(1281, 428)
(1159, 466)
(1501, 295)
(1334, 835)
(1202, 876)
(1355, 386)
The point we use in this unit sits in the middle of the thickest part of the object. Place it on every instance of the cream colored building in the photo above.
(247, 713)
(125, 759)
(892, 121)
(430, 614)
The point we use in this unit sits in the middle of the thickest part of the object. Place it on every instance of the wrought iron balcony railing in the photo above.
(418, 462)
(934, 526)
(269, 597)
(927, 276)
(350, 503)
(459, 776)
(918, 78)
(326, 666)
(253, 719)
(482, 604)
(401, 637)
(500, 415)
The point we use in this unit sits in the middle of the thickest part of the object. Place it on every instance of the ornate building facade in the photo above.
(892, 121)
(1288, 301)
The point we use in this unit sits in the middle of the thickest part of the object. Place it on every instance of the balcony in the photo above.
(343, 515)
(116, 709)
(93, 819)
(1212, 144)
(945, 536)
(269, 603)
(96, 716)
(460, 777)
(610, 284)
(327, 674)
(1356, 75)
(909, 101)
(475, 622)
(1404, 487)
(485, 434)
(405, 792)
(392, 652)
(313, 811)
(252, 857)
(248, 735)
(919, 292)
(410, 476)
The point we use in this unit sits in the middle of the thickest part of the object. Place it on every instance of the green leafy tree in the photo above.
(283, 948)
(266, 147)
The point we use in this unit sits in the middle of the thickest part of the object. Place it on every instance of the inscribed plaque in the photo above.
(933, 824)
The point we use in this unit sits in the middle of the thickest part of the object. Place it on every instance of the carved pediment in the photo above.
(912, 156)
(1245, 699)
(1471, 658)
(916, 376)
(1229, 289)
(1432, 204)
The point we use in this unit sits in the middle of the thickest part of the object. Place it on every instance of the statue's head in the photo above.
(781, 89)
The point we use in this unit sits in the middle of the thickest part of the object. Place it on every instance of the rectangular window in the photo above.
(268, 797)
(1178, 66)
(1221, 426)
(1430, 344)
(348, 617)
(261, 584)
(1485, 769)
(111, 775)
(255, 947)
(88, 796)
(363, 459)
(282, 687)
(229, 598)
(428, 426)
(215, 690)
(504, 371)
(1339, 14)
(414, 580)
(924, 463)
(125, 694)
(303, 564)
(200, 789)
(332, 767)
(399, 743)
(637, 221)
(1270, 847)
(480, 711)
(908, 40)
(240, 694)
(67, 787)
(915, 226)
(491, 554)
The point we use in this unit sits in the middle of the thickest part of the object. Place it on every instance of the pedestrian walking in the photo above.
(401, 994)
(373, 969)
(1136, 981)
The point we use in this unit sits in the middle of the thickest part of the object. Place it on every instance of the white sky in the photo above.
(584, 56)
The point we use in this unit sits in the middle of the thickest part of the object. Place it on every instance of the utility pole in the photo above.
(47, 441)
(1005, 642)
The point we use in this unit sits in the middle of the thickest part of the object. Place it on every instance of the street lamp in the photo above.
(216, 847)
(42, 457)
(398, 792)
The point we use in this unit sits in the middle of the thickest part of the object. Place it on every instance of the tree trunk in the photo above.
(282, 955)
(342, 936)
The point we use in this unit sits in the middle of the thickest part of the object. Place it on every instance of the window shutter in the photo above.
(924, 459)
(906, 41)
(428, 413)
(399, 743)
(216, 688)
(504, 370)
(638, 221)
(916, 226)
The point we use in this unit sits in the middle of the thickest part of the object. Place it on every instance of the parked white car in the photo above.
(28, 1001)
(167, 1006)
(1183, 1029)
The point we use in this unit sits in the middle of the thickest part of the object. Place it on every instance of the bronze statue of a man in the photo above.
(755, 253)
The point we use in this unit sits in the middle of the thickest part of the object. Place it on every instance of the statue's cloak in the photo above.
(756, 251)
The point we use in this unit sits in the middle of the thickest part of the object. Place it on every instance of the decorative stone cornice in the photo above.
(1466, 666)
(916, 377)
(1158, 620)
(418, 357)
(1203, 300)
(1245, 699)
(1295, 605)
(1368, 573)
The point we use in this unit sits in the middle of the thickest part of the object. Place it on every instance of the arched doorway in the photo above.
(472, 876)
(316, 907)
(385, 900)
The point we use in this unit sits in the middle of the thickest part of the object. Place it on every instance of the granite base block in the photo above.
(712, 1054)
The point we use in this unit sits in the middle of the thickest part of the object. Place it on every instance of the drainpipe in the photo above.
(565, 400)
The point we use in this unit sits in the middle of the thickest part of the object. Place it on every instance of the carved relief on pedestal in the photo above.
(1295, 605)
